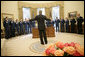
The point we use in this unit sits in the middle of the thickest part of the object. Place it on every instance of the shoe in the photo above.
(43, 44)
(46, 43)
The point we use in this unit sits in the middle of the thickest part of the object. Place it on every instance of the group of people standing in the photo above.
(13, 28)
(25, 27)
(64, 24)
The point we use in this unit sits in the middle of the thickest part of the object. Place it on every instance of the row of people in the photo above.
(22, 27)
(65, 24)
(25, 27)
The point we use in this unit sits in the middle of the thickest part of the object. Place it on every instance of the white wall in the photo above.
(70, 6)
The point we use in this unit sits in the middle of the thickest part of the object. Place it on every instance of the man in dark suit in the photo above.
(79, 23)
(67, 24)
(12, 27)
(6, 25)
(17, 26)
(29, 27)
(25, 26)
(33, 24)
(57, 21)
(52, 22)
(48, 23)
(72, 24)
(21, 27)
(62, 25)
(41, 26)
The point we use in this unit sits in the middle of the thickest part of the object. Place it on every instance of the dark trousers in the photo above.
(17, 29)
(29, 30)
(12, 32)
(7, 33)
(62, 28)
(67, 28)
(42, 33)
(79, 29)
(57, 26)
(72, 28)
(21, 31)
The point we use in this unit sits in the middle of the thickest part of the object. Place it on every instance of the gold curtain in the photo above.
(47, 10)
(20, 14)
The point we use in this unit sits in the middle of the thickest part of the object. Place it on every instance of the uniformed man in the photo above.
(29, 27)
(21, 27)
(33, 24)
(57, 21)
(72, 24)
(67, 24)
(52, 22)
(6, 25)
(48, 23)
(17, 26)
(62, 25)
(12, 27)
(79, 23)
(25, 26)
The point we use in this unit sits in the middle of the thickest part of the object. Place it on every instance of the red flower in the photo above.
(77, 54)
(66, 44)
(72, 44)
(69, 44)
(60, 45)
(47, 52)
(52, 50)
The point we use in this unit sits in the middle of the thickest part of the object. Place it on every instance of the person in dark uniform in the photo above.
(29, 27)
(21, 27)
(33, 24)
(67, 24)
(17, 26)
(6, 25)
(25, 26)
(12, 27)
(41, 26)
(48, 23)
(52, 22)
(57, 21)
(79, 23)
(72, 24)
(62, 25)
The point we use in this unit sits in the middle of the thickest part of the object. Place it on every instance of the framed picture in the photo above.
(10, 16)
(74, 14)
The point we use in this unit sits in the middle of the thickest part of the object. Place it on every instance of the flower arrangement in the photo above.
(67, 49)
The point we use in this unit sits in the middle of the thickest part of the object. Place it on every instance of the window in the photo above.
(26, 13)
(42, 9)
(55, 12)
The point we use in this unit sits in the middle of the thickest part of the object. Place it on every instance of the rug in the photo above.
(38, 48)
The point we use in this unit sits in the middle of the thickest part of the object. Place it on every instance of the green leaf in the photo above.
(66, 54)
(57, 47)
(51, 54)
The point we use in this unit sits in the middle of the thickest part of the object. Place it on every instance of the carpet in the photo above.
(38, 48)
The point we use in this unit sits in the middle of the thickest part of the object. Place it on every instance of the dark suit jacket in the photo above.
(41, 21)
(57, 22)
(79, 21)
(6, 25)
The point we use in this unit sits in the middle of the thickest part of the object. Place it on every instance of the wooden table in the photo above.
(50, 32)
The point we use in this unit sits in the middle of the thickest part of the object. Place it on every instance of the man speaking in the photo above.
(41, 26)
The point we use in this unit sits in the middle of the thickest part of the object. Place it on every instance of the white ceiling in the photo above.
(38, 1)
